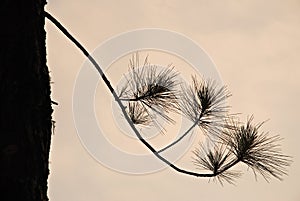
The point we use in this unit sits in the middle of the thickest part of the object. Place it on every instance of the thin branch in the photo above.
(258, 151)
(123, 109)
(84, 51)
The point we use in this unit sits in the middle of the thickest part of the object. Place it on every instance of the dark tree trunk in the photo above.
(25, 104)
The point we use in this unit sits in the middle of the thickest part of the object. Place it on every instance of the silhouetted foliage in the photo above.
(150, 90)
(258, 150)
(204, 104)
(153, 88)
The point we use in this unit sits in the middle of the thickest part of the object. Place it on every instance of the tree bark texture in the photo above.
(25, 103)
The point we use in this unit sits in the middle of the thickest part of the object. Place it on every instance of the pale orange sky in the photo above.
(255, 45)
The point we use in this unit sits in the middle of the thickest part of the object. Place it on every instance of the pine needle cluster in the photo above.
(152, 90)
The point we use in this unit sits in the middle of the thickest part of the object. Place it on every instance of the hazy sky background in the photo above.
(256, 47)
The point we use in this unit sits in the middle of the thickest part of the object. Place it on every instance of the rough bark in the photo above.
(25, 104)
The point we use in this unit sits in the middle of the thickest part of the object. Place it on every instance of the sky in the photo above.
(255, 47)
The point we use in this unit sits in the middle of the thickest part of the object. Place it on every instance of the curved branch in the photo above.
(262, 141)
(117, 99)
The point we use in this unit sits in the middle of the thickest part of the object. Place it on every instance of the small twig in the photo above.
(54, 103)
(180, 138)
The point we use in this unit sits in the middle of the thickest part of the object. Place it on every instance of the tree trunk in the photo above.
(25, 104)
